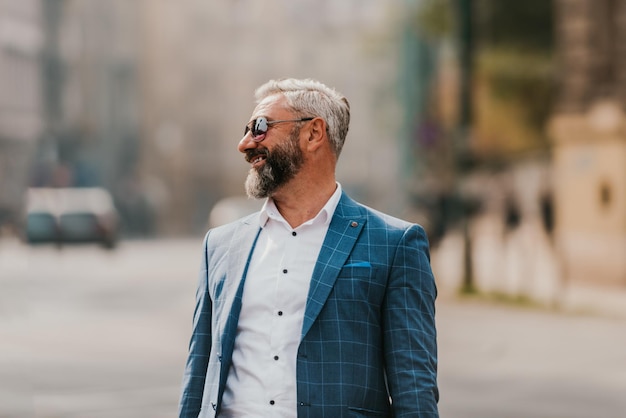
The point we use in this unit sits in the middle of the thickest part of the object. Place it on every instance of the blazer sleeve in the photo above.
(199, 346)
(410, 340)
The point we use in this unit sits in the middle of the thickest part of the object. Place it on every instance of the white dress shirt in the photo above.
(262, 378)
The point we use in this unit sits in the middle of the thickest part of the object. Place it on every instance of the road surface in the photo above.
(91, 333)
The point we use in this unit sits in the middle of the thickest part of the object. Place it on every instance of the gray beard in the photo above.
(282, 164)
(260, 183)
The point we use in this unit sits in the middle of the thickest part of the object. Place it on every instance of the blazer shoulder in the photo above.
(245, 220)
(226, 231)
(376, 218)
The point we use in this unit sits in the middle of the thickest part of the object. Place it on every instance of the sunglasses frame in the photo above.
(258, 127)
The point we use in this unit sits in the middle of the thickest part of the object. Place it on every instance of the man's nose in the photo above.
(247, 142)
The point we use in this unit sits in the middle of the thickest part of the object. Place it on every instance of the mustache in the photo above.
(253, 153)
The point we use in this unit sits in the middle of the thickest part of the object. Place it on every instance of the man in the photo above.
(317, 306)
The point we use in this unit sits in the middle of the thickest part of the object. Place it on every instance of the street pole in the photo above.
(465, 48)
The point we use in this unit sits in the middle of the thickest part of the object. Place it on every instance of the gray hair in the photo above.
(311, 98)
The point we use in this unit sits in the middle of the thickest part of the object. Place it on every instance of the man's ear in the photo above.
(316, 133)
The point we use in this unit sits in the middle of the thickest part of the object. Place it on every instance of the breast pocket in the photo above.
(359, 283)
(364, 413)
(353, 310)
(362, 269)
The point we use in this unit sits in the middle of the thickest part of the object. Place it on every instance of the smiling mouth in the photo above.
(257, 158)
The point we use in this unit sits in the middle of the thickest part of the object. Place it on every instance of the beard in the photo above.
(281, 165)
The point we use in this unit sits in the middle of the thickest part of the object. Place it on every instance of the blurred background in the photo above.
(499, 126)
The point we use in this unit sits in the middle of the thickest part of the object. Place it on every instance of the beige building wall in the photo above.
(589, 134)
(590, 191)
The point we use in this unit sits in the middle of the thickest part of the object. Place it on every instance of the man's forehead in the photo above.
(271, 103)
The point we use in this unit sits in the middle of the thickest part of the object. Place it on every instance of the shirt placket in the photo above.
(282, 315)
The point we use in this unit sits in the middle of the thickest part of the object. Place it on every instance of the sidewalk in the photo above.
(603, 300)
(514, 271)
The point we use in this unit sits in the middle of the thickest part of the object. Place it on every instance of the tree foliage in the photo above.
(511, 58)
(520, 25)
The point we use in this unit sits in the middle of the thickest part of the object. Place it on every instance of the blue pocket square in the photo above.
(359, 264)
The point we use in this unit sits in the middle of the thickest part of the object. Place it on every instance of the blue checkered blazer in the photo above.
(368, 344)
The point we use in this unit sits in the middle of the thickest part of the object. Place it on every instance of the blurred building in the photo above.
(589, 134)
(202, 60)
(149, 98)
(21, 116)
(90, 102)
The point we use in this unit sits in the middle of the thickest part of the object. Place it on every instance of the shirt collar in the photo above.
(270, 211)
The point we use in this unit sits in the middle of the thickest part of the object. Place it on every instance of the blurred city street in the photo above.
(92, 333)
(498, 126)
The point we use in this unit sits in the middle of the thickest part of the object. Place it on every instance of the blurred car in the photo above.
(71, 215)
(41, 227)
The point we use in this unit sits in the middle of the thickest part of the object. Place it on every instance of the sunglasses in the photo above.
(260, 125)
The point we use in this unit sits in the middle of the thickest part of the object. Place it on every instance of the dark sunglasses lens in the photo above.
(260, 126)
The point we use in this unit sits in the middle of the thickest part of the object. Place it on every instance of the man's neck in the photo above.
(299, 204)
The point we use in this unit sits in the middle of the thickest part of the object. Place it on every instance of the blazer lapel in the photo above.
(344, 228)
(240, 248)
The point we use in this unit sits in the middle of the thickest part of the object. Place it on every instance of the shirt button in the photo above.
(285, 271)
(275, 357)
(294, 233)
(272, 402)
(280, 313)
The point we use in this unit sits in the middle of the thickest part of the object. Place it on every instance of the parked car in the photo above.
(71, 215)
